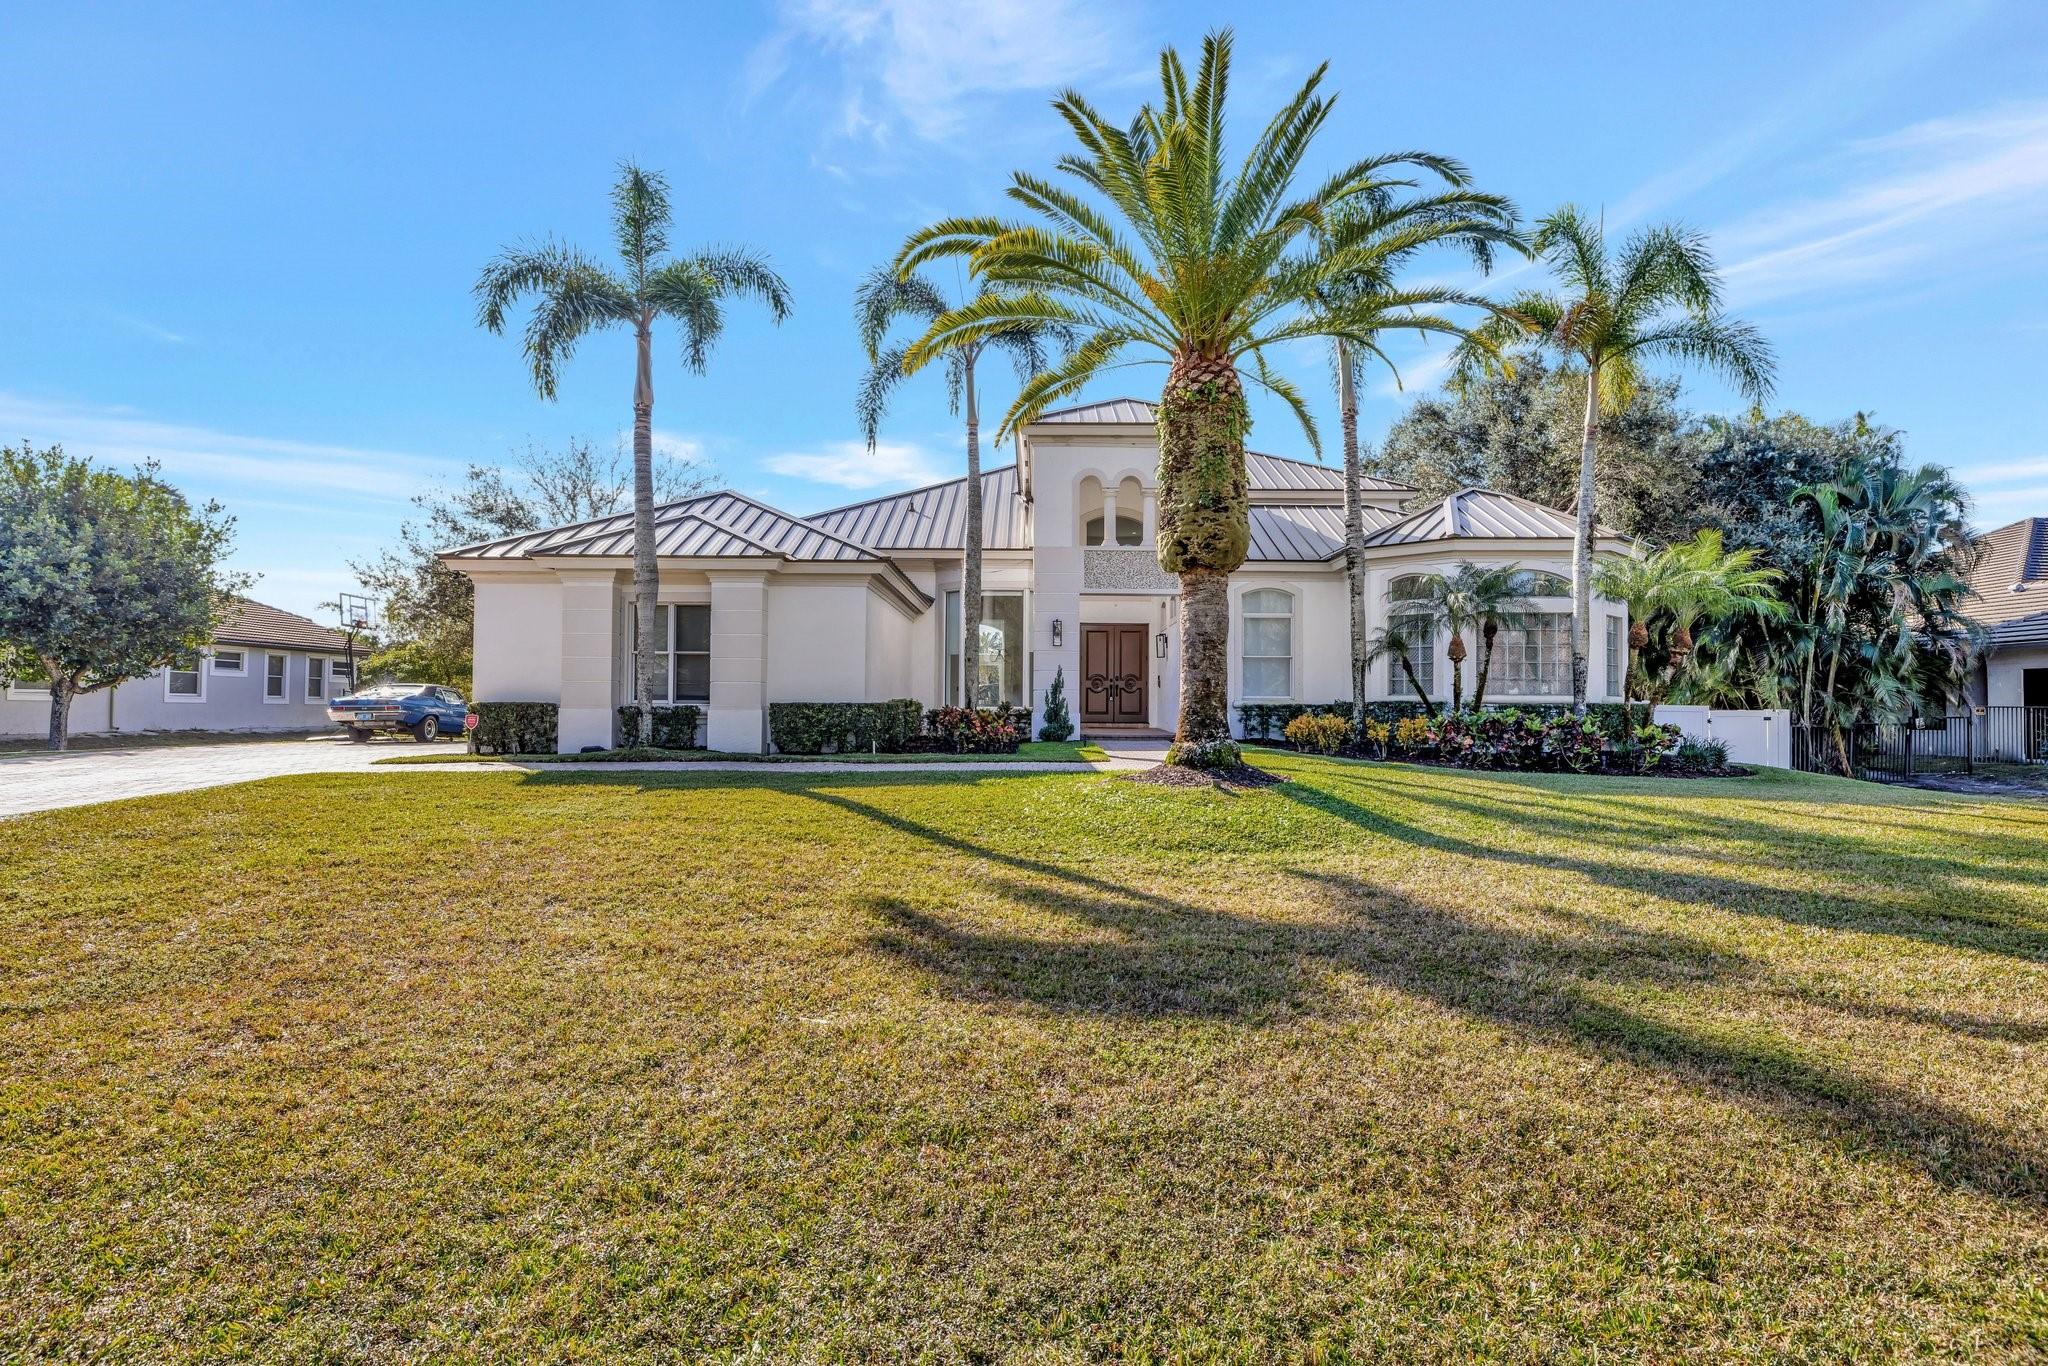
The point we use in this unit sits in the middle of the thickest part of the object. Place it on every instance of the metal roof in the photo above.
(933, 517)
(1480, 514)
(1267, 473)
(711, 524)
(1305, 532)
(1124, 411)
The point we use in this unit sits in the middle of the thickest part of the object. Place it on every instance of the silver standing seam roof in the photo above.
(933, 517)
(1267, 473)
(1302, 532)
(1481, 514)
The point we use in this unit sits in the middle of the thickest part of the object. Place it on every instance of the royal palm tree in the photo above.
(576, 296)
(1687, 583)
(1386, 230)
(884, 297)
(1162, 246)
(1658, 298)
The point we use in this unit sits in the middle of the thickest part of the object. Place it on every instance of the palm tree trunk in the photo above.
(970, 573)
(1486, 636)
(1415, 685)
(1354, 537)
(646, 579)
(1582, 546)
(60, 706)
(1204, 529)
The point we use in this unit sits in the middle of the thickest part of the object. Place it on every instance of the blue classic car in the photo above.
(426, 710)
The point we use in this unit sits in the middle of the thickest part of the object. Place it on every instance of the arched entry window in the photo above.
(1267, 671)
(1130, 512)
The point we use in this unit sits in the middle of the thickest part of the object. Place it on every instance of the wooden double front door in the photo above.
(1115, 683)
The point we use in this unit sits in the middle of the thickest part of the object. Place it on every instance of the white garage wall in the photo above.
(518, 639)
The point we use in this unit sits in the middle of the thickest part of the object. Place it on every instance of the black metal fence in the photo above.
(1960, 741)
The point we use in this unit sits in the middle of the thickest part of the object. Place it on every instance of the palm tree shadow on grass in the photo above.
(1138, 955)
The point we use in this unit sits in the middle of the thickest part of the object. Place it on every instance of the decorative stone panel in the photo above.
(1125, 569)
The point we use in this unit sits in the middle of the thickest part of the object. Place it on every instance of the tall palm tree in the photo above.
(577, 296)
(1658, 298)
(1387, 230)
(1163, 246)
(882, 298)
(1687, 583)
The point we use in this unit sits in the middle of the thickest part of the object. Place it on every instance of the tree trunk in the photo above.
(1354, 537)
(646, 579)
(1487, 633)
(1204, 528)
(1582, 547)
(1408, 668)
(60, 707)
(1204, 657)
(970, 574)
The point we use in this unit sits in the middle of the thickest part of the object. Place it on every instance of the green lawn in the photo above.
(1385, 1062)
(1031, 751)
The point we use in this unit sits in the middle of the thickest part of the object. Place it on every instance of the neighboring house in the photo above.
(265, 670)
(2009, 598)
(862, 602)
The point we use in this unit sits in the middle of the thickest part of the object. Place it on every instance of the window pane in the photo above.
(1614, 657)
(693, 627)
(1092, 530)
(1268, 636)
(1421, 653)
(1130, 531)
(1407, 587)
(273, 676)
(315, 677)
(228, 661)
(660, 626)
(184, 683)
(693, 678)
(1001, 677)
(1535, 659)
(1268, 600)
(1265, 678)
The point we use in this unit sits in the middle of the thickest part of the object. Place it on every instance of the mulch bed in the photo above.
(1237, 778)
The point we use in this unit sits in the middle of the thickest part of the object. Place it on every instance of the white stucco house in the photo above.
(265, 670)
(2009, 599)
(862, 602)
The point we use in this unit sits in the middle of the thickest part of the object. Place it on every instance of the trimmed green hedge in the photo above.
(674, 728)
(844, 727)
(515, 727)
(1268, 720)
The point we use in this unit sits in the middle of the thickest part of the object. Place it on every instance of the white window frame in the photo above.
(284, 678)
(1499, 683)
(1617, 656)
(316, 672)
(198, 672)
(670, 616)
(341, 664)
(1291, 616)
(241, 668)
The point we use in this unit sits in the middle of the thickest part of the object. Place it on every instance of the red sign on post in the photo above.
(469, 721)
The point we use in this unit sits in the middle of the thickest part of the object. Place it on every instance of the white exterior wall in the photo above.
(230, 702)
(738, 716)
(890, 666)
(518, 638)
(2005, 675)
(818, 644)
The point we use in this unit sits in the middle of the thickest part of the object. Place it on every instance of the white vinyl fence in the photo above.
(1752, 737)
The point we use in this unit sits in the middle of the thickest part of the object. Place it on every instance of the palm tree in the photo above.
(577, 296)
(1488, 597)
(1688, 583)
(1658, 299)
(1203, 264)
(881, 299)
(1389, 642)
(1387, 230)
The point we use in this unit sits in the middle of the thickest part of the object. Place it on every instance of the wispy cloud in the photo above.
(229, 460)
(1928, 198)
(144, 327)
(926, 64)
(851, 465)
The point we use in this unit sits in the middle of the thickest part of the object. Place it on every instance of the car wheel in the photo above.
(358, 734)
(428, 729)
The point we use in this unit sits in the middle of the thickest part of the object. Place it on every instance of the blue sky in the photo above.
(241, 239)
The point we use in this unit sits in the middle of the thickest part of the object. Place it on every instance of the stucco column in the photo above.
(738, 720)
(1151, 518)
(589, 690)
(1109, 515)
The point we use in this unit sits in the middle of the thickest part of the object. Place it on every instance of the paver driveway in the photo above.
(39, 782)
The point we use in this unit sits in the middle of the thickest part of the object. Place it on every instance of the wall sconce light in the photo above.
(1159, 646)
(1059, 634)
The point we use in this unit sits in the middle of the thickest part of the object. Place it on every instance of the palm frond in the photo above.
(640, 216)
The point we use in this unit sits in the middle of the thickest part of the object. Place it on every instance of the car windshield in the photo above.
(394, 690)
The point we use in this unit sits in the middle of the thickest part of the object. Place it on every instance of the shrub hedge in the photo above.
(673, 728)
(980, 730)
(844, 727)
(1265, 720)
(515, 728)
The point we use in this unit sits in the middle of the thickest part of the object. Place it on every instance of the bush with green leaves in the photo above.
(1318, 733)
(844, 727)
(674, 728)
(515, 727)
(980, 730)
(1206, 754)
(1059, 722)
